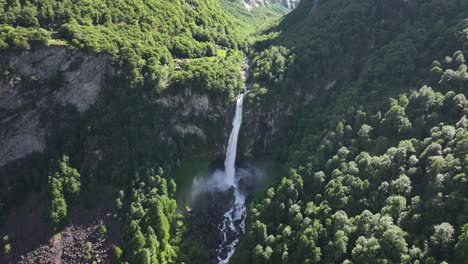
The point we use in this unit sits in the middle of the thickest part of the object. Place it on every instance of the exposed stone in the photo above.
(289, 4)
(189, 103)
(206, 217)
(35, 83)
(190, 129)
(260, 128)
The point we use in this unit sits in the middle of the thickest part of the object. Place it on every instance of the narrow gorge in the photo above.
(228, 188)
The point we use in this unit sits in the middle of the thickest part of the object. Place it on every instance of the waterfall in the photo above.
(231, 152)
(234, 219)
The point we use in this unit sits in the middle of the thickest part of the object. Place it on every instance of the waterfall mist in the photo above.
(223, 180)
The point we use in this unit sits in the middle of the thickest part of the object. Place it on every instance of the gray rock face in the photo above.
(289, 4)
(189, 103)
(34, 84)
(197, 117)
(261, 128)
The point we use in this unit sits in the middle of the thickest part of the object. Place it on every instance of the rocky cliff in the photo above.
(35, 86)
(197, 118)
(38, 86)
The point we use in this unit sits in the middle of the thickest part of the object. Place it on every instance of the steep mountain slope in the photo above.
(349, 53)
(95, 94)
(25, 102)
(135, 105)
(380, 188)
(142, 42)
(378, 163)
(253, 18)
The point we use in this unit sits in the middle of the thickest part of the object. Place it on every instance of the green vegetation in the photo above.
(353, 55)
(186, 172)
(7, 249)
(200, 75)
(192, 251)
(369, 113)
(251, 22)
(154, 225)
(64, 186)
(7, 244)
(380, 188)
(21, 38)
(374, 179)
(140, 35)
(461, 248)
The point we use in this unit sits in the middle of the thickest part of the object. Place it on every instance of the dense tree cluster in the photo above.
(381, 187)
(365, 51)
(154, 225)
(141, 36)
(21, 38)
(64, 186)
(271, 64)
(200, 75)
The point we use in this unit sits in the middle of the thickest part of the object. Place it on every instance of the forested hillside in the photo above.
(250, 20)
(104, 102)
(383, 187)
(378, 92)
(142, 36)
(174, 70)
(154, 46)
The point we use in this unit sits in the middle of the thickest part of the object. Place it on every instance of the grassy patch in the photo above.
(57, 42)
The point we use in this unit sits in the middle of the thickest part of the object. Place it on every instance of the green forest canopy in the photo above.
(378, 164)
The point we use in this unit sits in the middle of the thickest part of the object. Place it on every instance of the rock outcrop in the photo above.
(262, 128)
(35, 85)
(289, 4)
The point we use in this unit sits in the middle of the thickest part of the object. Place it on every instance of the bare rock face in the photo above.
(289, 4)
(207, 216)
(198, 117)
(189, 104)
(36, 83)
(261, 128)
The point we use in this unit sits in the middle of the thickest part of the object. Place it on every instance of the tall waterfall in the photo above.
(234, 219)
(231, 152)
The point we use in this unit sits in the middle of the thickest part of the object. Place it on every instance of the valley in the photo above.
(233, 131)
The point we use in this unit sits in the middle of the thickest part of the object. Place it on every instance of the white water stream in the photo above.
(234, 219)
